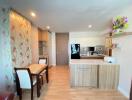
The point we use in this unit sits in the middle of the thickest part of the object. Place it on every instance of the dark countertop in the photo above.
(92, 57)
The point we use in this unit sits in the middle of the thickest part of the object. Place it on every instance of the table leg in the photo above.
(38, 86)
(47, 74)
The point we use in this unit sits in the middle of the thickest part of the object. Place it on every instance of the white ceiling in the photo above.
(71, 15)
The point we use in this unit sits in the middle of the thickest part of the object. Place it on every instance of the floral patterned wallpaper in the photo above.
(20, 30)
(15, 42)
(6, 70)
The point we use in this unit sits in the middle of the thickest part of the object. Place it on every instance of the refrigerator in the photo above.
(75, 51)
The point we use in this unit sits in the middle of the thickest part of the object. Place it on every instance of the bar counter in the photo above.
(94, 73)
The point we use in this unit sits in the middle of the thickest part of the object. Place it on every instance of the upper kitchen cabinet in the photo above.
(43, 35)
(39, 34)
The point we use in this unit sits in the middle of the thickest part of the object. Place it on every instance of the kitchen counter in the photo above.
(93, 73)
(92, 57)
(87, 61)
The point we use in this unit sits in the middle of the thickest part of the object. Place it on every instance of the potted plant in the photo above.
(119, 24)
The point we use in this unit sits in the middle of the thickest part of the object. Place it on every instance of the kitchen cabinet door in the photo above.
(83, 75)
(108, 76)
(39, 35)
(45, 36)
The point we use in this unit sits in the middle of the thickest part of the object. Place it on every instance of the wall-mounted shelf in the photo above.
(121, 34)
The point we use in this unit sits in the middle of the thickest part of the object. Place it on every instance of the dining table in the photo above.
(36, 70)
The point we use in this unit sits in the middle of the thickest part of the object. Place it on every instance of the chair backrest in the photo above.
(42, 61)
(24, 77)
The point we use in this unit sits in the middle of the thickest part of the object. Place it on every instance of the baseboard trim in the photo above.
(53, 65)
(50, 66)
(123, 92)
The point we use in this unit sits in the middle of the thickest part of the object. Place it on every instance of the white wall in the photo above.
(127, 12)
(53, 49)
(124, 58)
(84, 39)
(35, 45)
(50, 49)
(124, 54)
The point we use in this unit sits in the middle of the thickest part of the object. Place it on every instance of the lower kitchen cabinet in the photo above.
(103, 76)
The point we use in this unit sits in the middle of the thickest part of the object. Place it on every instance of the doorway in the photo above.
(62, 40)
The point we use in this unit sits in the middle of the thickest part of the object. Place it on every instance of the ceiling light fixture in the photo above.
(89, 26)
(33, 14)
(48, 27)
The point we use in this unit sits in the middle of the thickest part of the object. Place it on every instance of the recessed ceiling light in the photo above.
(48, 27)
(89, 26)
(33, 14)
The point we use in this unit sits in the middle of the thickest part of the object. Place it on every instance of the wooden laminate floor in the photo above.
(59, 89)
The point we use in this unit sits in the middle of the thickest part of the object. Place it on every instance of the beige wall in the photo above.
(34, 44)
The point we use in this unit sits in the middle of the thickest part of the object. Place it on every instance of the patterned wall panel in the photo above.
(6, 70)
(20, 30)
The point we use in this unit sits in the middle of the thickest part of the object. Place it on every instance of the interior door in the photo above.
(62, 40)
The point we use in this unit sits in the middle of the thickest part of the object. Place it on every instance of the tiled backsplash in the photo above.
(43, 48)
(99, 49)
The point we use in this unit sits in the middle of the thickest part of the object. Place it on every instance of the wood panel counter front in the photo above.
(94, 73)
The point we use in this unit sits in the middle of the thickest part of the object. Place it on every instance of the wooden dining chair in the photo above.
(43, 61)
(24, 80)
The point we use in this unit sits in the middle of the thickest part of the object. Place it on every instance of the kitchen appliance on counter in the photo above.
(75, 51)
(91, 50)
(100, 49)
